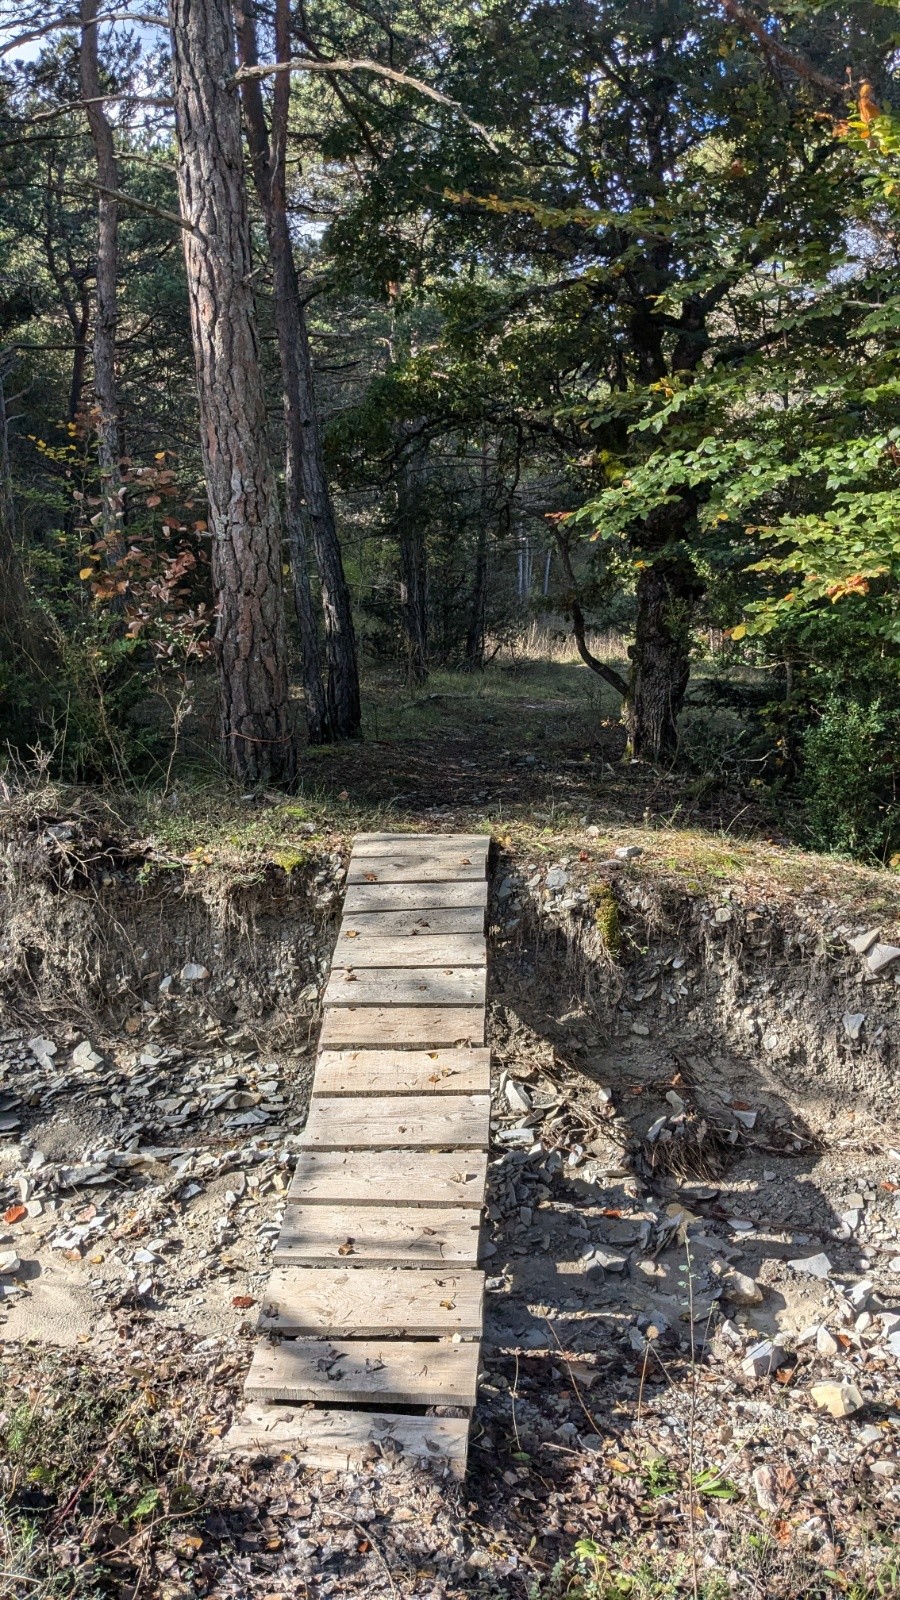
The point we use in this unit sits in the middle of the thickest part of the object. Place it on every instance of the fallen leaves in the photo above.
(15, 1213)
(242, 1302)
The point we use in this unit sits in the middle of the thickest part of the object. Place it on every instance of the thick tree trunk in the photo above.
(667, 593)
(246, 535)
(413, 570)
(268, 176)
(337, 713)
(105, 390)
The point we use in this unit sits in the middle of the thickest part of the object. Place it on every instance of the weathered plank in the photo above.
(406, 986)
(392, 1072)
(365, 1371)
(386, 1236)
(410, 1027)
(357, 947)
(450, 1121)
(372, 1302)
(372, 843)
(421, 867)
(413, 896)
(337, 1440)
(407, 924)
(390, 1177)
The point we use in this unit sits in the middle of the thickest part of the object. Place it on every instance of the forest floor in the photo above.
(696, 1150)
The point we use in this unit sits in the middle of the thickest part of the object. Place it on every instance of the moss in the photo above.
(290, 858)
(606, 919)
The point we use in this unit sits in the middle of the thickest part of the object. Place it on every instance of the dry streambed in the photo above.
(692, 1349)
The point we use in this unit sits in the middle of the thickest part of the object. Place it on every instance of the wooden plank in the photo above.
(372, 1302)
(365, 1371)
(416, 869)
(407, 986)
(361, 948)
(413, 896)
(413, 924)
(338, 1440)
(385, 1236)
(371, 843)
(390, 1177)
(460, 1121)
(412, 1027)
(420, 1072)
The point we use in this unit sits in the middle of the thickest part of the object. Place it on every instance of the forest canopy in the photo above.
(341, 334)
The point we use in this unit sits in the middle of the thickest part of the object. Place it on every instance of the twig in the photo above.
(369, 1540)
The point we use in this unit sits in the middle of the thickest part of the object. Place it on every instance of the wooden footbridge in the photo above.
(372, 1316)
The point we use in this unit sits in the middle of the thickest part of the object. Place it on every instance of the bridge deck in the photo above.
(376, 1298)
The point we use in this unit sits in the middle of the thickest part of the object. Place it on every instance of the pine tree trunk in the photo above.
(667, 593)
(344, 712)
(105, 321)
(413, 570)
(268, 177)
(478, 603)
(246, 536)
(13, 594)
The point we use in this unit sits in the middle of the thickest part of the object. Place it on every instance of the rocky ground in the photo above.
(692, 1349)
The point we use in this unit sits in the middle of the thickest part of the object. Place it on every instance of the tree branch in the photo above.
(608, 674)
(783, 53)
(139, 205)
(307, 64)
(72, 20)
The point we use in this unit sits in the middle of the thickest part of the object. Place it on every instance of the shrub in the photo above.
(850, 773)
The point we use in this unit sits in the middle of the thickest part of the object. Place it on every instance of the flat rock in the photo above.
(862, 942)
(628, 852)
(740, 1288)
(811, 1266)
(518, 1098)
(762, 1358)
(84, 1055)
(193, 972)
(853, 1022)
(882, 956)
(838, 1399)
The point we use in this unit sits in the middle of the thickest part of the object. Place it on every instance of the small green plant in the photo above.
(606, 919)
(659, 1477)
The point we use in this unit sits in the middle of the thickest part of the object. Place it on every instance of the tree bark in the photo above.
(13, 593)
(667, 593)
(267, 165)
(308, 498)
(478, 602)
(105, 389)
(413, 569)
(250, 637)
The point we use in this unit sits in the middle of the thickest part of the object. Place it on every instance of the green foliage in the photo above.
(850, 779)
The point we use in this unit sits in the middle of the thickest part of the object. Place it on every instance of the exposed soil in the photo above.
(616, 1404)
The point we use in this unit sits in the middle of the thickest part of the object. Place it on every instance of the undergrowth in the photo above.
(93, 1478)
